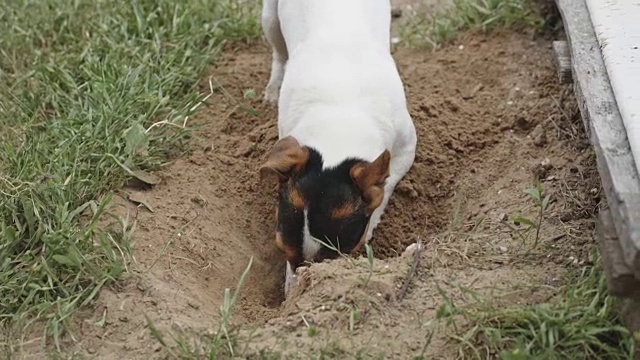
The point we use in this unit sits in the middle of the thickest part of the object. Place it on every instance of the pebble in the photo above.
(193, 304)
(539, 136)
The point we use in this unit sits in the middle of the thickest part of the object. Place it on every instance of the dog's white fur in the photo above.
(341, 92)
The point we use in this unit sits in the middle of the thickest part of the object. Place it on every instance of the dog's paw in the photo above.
(271, 94)
(290, 280)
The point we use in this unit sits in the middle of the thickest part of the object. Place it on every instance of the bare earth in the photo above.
(488, 111)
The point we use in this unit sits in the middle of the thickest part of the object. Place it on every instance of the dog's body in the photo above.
(346, 136)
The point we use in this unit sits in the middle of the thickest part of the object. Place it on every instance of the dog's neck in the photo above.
(341, 133)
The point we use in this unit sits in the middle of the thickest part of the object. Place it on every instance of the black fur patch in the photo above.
(323, 191)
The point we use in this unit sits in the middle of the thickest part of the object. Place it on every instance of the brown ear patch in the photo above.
(370, 179)
(346, 210)
(287, 156)
(296, 197)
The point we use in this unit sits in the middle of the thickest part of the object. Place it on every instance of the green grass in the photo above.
(581, 322)
(81, 84)
(468, 15)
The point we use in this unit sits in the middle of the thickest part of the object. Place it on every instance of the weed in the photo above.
(483, 15)
(312, 330)
(581, 322)
(354, 319)
(541, 203)
(83, 83)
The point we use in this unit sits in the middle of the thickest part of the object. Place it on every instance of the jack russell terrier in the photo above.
(345, 135)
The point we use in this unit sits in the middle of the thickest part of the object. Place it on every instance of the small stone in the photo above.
(406, 188)
(193, 304)
(503, 248)
(396, 13)
(123, 319)
(91, 350)
(151, 301)
(539, 136)
(522, 123)
(411, 249)
(245, 149)
(574, 168)
(503, 217)
(540, 170)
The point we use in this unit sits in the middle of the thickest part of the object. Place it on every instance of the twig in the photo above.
(414, 266)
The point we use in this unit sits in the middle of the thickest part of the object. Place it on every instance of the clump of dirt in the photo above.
(491, 119)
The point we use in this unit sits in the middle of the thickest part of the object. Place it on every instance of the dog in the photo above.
(345, 135)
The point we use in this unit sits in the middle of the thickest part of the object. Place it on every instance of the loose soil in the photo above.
(491, 119)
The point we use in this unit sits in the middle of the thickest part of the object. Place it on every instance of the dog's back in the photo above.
(335, 23)
(341, 91)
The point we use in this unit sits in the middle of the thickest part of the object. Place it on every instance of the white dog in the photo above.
(346, 136)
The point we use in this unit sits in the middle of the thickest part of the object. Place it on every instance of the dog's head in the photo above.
(315, 205)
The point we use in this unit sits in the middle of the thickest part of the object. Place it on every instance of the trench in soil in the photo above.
(228, 216)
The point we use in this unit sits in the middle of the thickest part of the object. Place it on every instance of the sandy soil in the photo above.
(488, 110)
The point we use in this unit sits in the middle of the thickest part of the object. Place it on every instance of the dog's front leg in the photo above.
(290, 280)
(400, 165)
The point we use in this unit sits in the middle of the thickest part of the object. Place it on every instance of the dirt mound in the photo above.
(488, 113)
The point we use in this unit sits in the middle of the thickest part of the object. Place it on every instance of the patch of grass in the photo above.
(90, 92)
(581, 322)
(476, 15)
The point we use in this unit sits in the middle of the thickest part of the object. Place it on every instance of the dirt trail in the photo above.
(488, 112)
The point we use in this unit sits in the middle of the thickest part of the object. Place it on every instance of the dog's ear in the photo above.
(370, 178)
(286, 157)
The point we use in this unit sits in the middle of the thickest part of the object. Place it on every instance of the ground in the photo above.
(488, 110)
(491, 118)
